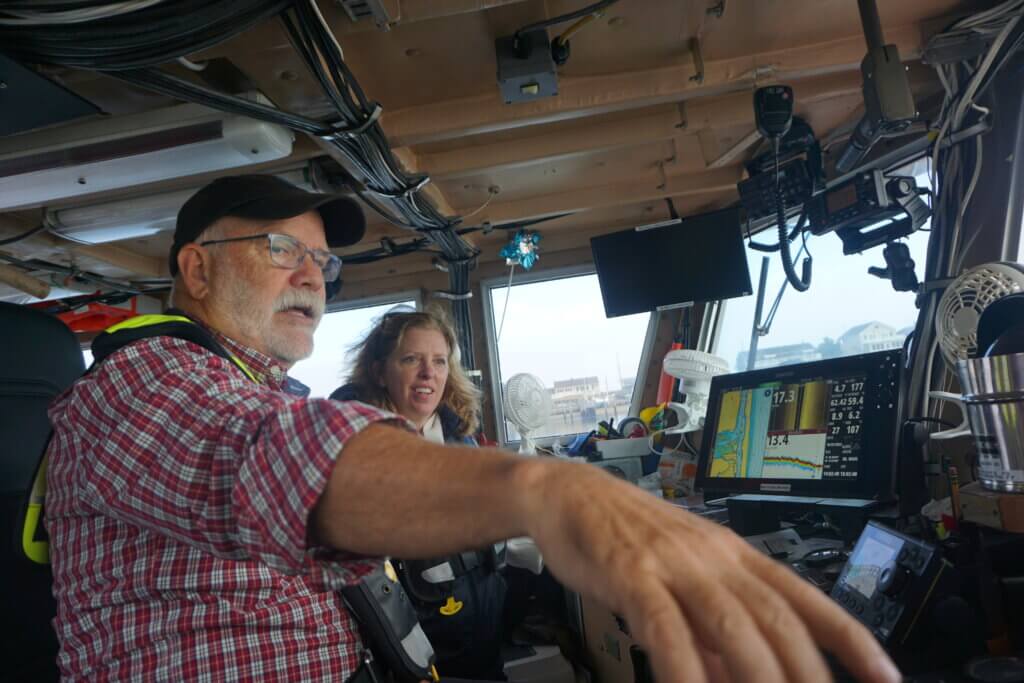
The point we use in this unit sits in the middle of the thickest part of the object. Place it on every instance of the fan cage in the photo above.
(520, 408)
(694, 364)
(974, 290)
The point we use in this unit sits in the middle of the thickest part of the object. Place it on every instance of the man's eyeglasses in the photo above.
(288, 252)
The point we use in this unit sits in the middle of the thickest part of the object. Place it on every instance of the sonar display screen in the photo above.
(810, 429)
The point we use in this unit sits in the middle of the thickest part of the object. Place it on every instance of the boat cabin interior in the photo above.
(759, 257)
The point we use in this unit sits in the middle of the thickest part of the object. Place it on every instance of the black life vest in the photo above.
(170, 324)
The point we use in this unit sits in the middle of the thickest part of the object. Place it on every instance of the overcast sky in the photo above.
(325, 371)
(842, 294)
(557, 330)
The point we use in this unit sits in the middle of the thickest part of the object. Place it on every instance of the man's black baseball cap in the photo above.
(264, 197)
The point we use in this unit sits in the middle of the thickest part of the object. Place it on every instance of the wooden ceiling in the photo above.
(634, 123)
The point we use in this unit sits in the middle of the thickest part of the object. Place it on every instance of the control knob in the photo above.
(892, 580)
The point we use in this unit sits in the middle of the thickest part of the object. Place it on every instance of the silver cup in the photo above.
(993, 394)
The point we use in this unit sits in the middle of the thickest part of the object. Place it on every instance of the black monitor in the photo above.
(827, 429)
(700, 259)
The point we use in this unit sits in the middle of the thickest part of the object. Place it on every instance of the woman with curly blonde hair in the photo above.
(409, 364)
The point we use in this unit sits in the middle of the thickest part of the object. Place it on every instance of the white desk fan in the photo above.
(695, 369)
(527, 406)
(956, 320)
(961, 306)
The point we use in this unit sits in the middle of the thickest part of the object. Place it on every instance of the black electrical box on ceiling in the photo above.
(526, 71)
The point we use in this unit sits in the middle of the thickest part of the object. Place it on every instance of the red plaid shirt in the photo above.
(178, 494)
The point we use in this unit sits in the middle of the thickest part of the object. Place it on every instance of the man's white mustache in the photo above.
(295, 298)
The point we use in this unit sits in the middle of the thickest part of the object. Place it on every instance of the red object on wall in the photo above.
(667, 380)
(97, 317)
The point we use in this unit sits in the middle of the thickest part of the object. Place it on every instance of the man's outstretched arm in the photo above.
(692, 591)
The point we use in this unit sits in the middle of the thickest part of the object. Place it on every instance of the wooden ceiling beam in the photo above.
(269, 36)
(590, 95)
(138, 264)
(556, 240)
(602, 136)
(409, 160)
(737, 150)
(421, 10)
(684, 185)
(550, 147)
(44, 245)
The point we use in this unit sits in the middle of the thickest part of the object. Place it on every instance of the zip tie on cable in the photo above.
(460, 261)
(447, 227)
(400, 194)
(452, 296)
(339, 131)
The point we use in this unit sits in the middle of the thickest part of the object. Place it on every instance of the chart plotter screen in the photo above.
(825, 428)
(809, 430)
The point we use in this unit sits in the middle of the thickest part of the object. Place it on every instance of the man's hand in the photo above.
(697, 597)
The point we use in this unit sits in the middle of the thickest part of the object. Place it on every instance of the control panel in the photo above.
(757, 193)
(865, 197)
(827, 429)
(887, 581)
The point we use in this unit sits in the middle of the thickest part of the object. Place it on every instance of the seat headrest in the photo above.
(37, 346)
(39, 358)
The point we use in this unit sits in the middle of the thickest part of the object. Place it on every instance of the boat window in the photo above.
(340, 329)
(845, 312)
(554, 327)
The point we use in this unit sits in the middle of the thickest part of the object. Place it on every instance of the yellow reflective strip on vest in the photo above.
(37, 551)
(158, 319)
(243, 367)
(149, 319)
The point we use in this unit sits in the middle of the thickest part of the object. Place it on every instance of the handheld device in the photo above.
(773, 110)
(888, 580)
(773, 114)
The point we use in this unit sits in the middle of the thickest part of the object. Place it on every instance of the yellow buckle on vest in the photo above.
(452, 607)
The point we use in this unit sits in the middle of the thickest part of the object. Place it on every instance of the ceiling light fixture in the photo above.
(136, 217)
(75, 160)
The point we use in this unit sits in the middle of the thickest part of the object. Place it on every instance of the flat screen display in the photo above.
(827, 429)
(876, 549)
(700, 259)
(866, 565)
(809, 429)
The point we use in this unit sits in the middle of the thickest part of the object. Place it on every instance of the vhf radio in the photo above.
(888, 580)
(800, 177)
(866, 200)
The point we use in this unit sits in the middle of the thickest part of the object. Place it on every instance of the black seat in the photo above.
(39, 358)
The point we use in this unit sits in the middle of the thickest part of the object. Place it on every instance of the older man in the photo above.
(203, 517)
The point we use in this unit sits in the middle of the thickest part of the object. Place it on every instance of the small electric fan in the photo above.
(961, 306)
(527, 406)
(956, 321)
(695, 369)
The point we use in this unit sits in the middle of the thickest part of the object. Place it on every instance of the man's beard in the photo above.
(255, 320)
